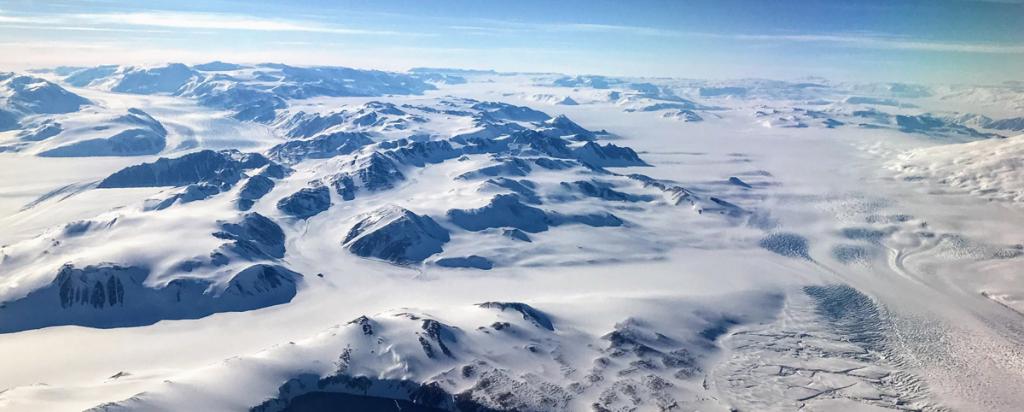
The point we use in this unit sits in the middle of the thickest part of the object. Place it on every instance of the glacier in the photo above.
(235, 236)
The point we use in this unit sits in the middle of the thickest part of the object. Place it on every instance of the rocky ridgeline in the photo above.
(505, 356)
(510, 143)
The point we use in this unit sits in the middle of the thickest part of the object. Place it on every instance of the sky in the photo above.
(934, 41)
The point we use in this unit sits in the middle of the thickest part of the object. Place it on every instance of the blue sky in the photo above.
(924, 41)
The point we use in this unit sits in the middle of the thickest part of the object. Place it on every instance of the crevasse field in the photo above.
(271, 238)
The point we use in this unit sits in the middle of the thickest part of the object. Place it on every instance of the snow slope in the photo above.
(451, 240)
(992, 169)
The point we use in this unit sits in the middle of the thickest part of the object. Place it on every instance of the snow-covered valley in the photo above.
(269, 237)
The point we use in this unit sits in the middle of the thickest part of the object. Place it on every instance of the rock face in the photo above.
(221, 178)
(396, 235)
(254, 237)
(602, 190)
(533, 143)
(516, 234)
(529, 313)
(599, 219)
(506, 210)
(305, 125)
(505, 111)
(487, 130)
(250, 238)
(553, 99)
(733, 180)
(381, 169)
(608, 155)
(376, 116)
(306, 203)
(420, 154)
(315, 401)
(319, 147)
(503, 211)
(524, 188)
(107, 296)
(254, 189)
(677, 195)
(471, 261)
(8, 120)
(372, 173)
(223, 169)
(561, 126)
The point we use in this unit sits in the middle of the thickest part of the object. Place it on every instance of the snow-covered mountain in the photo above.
(252, 92)
(268, 237)
(31, 95)
(134, 133)
(24, 96)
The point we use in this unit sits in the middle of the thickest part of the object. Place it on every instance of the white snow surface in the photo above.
(992, 169)
(795, 249)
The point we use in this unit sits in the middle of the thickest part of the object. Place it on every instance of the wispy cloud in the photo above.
(168, 21)
(487, 26)
(617, 29)
(876, 42)
(24, 20)
(221, 21)
(52, 45)
(857, 40)
(124, 21)
(80, 28)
